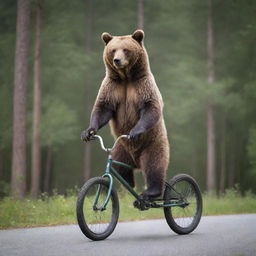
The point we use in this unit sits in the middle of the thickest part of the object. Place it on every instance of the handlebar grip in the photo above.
(93, 137)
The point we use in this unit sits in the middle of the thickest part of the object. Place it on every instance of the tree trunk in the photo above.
(1, 164)
(89, 15)
(36, 156)
(211, 172)
(223, 158)
(88, 48)
(194, 164)
(18, 180)
(140, 14)
(231, 171)
(211, 179)
(48, 167)
(241, 156)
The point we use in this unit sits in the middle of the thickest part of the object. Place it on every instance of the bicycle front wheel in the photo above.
(96, 222)
(184, 191)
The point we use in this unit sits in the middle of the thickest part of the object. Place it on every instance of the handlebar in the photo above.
(102, 143)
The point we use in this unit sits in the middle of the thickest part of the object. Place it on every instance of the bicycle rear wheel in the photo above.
(185, 218)
(95, 222)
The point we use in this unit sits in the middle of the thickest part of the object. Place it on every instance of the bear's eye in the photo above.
(114, 50)
(125, 50)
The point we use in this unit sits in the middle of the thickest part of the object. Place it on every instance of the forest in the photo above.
(203, 57)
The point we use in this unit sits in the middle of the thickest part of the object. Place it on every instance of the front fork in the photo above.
(107, 174)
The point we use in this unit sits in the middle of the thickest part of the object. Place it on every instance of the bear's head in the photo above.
(121, 53)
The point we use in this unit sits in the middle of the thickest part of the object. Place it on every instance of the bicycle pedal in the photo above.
(136, 204)
(141, 205)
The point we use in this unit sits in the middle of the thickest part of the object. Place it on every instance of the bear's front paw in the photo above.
(134, 133)
(87, 134)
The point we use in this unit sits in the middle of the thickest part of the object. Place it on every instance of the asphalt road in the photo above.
(233, 235)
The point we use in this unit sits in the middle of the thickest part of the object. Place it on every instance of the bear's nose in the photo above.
(117, 61)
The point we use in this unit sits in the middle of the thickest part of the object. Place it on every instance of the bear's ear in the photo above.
(106, 37)
(138, 35)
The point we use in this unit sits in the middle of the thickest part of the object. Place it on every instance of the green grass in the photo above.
(58, 209)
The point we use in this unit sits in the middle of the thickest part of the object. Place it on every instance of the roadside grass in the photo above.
(59, 209)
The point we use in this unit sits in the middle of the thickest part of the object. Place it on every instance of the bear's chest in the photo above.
(126, 96)
(127, 106)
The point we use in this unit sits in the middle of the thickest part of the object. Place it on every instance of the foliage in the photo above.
(58, 124)
(54, 210)
(5, 189)
(252, 148)
(7, 41)
(58, 209)
(252, 156)
(176, 41)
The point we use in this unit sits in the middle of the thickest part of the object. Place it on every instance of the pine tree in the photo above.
(18, 182)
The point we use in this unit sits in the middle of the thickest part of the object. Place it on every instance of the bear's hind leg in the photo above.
(155, 179)
(120, 154)
(154, 164)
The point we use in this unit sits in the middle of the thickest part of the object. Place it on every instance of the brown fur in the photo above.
(130, 95)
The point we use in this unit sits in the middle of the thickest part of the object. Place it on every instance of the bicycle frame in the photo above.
(110, 172)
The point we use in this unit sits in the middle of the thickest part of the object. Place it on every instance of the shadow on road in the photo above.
(147, 237)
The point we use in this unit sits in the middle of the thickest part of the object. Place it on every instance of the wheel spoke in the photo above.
(182, 219)
(98, 220)
(96, 223)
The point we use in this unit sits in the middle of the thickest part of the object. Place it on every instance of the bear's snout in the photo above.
(120, 62)
(117, 61)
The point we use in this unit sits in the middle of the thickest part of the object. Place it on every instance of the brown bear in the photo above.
(130, 99)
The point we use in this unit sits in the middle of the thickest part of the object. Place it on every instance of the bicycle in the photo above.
(98, 204)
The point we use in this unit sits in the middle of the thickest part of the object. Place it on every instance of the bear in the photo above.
(130, 101)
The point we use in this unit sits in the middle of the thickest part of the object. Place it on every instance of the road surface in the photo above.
(233, 235)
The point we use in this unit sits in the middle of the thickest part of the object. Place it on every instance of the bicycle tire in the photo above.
(175, 219)
(84, 198)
